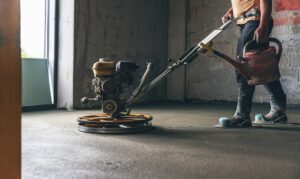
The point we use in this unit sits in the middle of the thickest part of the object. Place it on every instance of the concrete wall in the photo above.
(65, 54)
(287, 29)
(176, 82)
(142, 30)
(209, 78)
(133, 30)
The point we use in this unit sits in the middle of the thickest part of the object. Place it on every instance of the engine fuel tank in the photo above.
(104, 67)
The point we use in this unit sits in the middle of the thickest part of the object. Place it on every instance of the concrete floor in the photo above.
(184, 145)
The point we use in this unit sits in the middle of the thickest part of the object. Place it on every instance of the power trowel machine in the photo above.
(111, 80)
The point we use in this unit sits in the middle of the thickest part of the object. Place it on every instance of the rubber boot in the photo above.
(277, 113)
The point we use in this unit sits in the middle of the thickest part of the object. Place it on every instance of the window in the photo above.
(38, 51)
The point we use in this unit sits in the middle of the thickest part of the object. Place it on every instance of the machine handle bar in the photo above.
(186, 58)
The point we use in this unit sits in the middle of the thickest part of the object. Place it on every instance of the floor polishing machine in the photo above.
(111, 80)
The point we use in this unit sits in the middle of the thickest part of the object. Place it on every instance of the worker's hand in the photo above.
(261, 35)
(228, 16)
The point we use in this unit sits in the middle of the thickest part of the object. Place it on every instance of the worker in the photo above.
(258, 28)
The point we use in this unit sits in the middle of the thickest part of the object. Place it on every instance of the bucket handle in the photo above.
(275, 40)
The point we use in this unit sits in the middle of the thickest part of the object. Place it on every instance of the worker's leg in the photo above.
(241, 117)
(245, 95)
(277, 113)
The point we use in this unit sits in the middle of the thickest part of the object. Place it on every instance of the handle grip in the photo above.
(279, 44)
(274, 40)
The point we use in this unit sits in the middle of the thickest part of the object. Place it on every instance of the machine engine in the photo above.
(110, 81)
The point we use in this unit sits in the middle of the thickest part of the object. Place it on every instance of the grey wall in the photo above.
(134, 30)
(143, 30)
(287, 29)
(176, 82)
(65, 54)
(209, 78)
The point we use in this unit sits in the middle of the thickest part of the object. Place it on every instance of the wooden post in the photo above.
(10, 90)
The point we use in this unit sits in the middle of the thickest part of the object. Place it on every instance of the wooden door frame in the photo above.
(10, 90)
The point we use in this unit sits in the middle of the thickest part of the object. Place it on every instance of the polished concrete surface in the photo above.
(184, 145)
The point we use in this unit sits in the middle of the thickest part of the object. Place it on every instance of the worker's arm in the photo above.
(261, 34)
(228, 15)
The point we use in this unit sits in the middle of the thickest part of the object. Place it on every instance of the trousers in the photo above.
(245, 91)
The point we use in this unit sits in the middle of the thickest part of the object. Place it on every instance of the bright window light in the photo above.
(33, 28)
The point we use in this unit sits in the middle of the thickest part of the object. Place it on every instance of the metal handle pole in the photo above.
(187, 57)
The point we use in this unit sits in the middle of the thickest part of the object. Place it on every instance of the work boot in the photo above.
(241, 118)
(234, 122)
(277, 112)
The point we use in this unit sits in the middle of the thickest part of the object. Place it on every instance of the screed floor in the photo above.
(184, 145)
